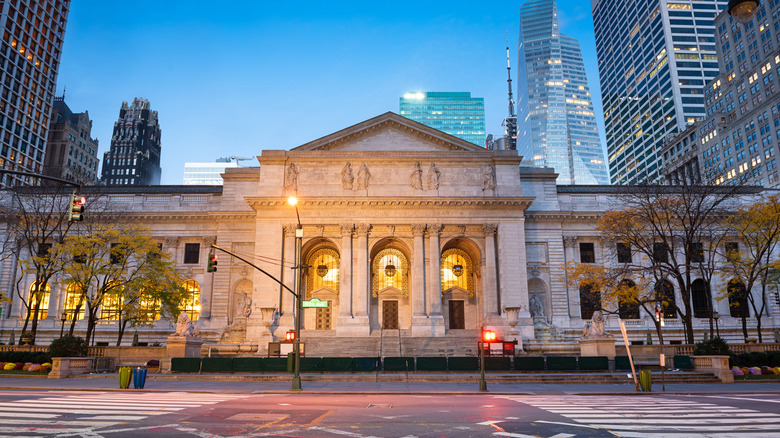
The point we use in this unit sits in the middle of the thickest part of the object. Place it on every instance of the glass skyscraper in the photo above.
(655, 56)
(556, 123)
(29, 61)
(456, 113)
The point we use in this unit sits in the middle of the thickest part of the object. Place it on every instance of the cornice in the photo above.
(260, 204)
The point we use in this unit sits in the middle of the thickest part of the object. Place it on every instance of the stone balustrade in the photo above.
(63, 367)
(718, 365)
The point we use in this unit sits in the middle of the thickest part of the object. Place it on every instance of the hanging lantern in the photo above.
(322, 270)
(390, 270)
(457, 270)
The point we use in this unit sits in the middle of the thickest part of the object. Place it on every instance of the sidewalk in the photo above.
(313, 385)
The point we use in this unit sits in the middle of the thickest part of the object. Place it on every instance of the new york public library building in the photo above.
(416, 239)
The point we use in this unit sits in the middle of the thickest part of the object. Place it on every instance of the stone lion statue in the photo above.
(596, 325)
(184, 326)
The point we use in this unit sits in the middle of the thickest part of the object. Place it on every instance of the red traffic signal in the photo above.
(488, 336)
(212, 265)
(290, 336)
(77, 204)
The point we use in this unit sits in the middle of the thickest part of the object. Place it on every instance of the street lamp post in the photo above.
(296, 381)
(716, 317)
(63, 317)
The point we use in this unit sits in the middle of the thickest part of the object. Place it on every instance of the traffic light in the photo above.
(488, 336)
(290, 336)
(212, 267)
(77, 204)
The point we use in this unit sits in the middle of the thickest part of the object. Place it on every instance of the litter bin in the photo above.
(139, 377)
(291, 362)
(646, 380)
(125, 374)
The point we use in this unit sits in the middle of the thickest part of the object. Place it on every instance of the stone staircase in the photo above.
(390, 345)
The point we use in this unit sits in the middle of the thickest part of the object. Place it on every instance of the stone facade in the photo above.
(434, 239)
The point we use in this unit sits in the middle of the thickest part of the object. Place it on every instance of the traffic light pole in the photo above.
(46, 177)
(256, 267)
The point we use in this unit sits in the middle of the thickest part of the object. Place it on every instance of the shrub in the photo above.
(774, 358)
(758, 359)
(711, 347)
(68, 346)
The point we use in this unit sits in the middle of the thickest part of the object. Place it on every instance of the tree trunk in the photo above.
(122, 327)
(744, 326)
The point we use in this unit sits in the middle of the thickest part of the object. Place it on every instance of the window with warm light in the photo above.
(72, 297)
(112, 306)
(390, 269)
(456, 270)
(192, 305)
(43, 310)
(324, 270)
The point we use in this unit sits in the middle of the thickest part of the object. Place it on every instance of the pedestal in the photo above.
(598, 346)
(184, 346)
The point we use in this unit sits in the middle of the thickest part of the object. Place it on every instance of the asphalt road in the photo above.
(97, 414)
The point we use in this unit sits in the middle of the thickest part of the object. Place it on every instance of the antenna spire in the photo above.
(510, 122)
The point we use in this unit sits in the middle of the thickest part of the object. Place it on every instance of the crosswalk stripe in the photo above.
(676, 416)
(27, 415)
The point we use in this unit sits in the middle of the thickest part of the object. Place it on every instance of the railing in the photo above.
(635, 322)
(735, 348)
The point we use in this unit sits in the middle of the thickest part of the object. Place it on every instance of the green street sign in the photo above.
(314, 302)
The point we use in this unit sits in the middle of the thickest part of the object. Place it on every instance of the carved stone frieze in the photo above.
(362, 229)
(489, 229)
(209, 240)
(171, 242)
(418, 229)
(570, 241)
(435, 229)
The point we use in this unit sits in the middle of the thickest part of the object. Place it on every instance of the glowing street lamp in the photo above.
(296, 382)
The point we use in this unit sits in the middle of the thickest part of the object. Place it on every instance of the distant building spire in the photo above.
(510, 122)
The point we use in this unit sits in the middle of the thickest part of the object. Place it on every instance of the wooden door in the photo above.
(390, 314)
(323, 317)
(457, 315)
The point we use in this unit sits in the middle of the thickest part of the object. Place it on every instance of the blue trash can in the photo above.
(139, 377)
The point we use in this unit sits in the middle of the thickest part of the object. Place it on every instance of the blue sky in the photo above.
(273, 75)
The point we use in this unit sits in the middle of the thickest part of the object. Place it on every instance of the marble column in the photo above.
(287, 304)
(570, 255)
(433, 296)
(490, 311)
(345, 273)
(418, 272)
(206, 294)
(359, 324)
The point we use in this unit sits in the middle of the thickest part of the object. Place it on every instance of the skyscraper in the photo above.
(556, 123)
(134, 157)
(29, 61)
(456, 113)
(71, 152)
(654, 57)
(205, 173)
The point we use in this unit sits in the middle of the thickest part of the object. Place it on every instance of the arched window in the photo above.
(738, 304)
(148, 309)
(390, 269)
(112, 305)
(43, 295)
(664, 292)
(700, 294)
(628, 300)
(324, 271)
(590, 301)
(72, 297)
(192, 304)
(456, 270)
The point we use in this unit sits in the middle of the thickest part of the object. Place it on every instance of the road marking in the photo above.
(341, 432)
(763, 400)
(490, 423)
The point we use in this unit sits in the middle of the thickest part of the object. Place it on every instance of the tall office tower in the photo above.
(738, 141)
(71, 152)
(654, 57)
(455, 113)
(557, 125)
(29, 60)
(134, 157)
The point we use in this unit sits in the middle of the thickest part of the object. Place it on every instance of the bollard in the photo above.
(139, 377)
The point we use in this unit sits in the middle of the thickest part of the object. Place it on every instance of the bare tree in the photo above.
(672, 233)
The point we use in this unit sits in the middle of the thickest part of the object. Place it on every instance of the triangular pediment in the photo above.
(389, 132)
